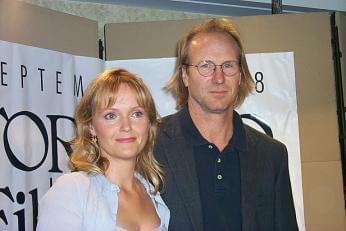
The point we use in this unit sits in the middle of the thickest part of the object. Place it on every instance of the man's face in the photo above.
(216, 93)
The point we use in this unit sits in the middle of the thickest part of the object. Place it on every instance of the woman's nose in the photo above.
(125, 124)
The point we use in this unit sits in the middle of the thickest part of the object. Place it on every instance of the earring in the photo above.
(93, 139)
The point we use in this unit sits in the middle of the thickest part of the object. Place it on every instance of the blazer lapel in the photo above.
(249, 174)
(180, 158)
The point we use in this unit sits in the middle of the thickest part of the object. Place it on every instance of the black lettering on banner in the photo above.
(54, 135)
(55, 138)
(20, 199)
(11, 156)
(23, 74)
(259, 82)
(41, 75)
(20, 213)
(2, 73)
(58, 82)
(34, 201)
(6, 191)
(79, 86)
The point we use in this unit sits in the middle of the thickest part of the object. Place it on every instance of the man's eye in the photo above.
(204, 65)
(228, 65)
(110, 116)
(137, 114)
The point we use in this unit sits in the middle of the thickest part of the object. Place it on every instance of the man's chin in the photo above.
(219, 109)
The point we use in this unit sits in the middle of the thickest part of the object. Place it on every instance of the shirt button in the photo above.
(219, 177)
(219, 160)
(210, 146)
(116, 188)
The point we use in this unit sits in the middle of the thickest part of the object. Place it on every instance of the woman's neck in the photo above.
(121, 174)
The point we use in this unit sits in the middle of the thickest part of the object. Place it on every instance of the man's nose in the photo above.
(218, 76)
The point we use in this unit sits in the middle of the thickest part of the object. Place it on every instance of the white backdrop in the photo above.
(39, 89)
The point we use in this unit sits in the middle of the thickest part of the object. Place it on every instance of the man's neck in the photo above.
(217, 128)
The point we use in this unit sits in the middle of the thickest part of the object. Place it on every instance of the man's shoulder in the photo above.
(169, 118)
(257, 138)
(170, 127)
(169, 121)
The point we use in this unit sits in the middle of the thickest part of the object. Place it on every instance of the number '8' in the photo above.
(259, 82)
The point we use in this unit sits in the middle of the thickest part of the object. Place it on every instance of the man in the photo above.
(220, 173)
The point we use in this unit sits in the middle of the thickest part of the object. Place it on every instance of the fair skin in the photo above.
(122, 132)
(211, 99)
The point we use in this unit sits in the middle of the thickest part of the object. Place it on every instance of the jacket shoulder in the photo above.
(254, 135)
(264, 145)
(168, 124)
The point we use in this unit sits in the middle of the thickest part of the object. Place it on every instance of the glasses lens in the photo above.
(230, 68)
(206, 68)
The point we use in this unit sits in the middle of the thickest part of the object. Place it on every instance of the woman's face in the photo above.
(122, 129)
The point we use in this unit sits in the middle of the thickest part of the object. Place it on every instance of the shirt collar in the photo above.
(238, 140)
(191, 133)
(109, 186)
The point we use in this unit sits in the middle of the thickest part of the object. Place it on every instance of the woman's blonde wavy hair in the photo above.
(215, 25)
(101, 93)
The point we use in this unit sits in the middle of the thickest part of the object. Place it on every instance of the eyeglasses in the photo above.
(207, 68)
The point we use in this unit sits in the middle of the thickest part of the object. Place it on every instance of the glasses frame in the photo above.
(198, 66)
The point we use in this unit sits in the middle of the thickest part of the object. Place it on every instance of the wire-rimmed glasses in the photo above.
(207, 68)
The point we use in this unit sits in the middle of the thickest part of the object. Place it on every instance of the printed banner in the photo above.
(39, 90)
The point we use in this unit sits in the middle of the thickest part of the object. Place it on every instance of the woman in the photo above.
(115, 181)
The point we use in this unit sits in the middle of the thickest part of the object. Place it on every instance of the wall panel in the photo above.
(40, 27)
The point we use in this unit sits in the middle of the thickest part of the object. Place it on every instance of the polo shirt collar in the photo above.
(193, 136)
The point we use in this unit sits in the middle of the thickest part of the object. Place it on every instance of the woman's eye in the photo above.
(110, 116)
(137, 114)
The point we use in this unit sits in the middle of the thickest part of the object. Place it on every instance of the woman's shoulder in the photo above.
(73, 181)
(72, 178)
(64, 202)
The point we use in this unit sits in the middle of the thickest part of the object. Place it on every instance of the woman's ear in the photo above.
(91, 129)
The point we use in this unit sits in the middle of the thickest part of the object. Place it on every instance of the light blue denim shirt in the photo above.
(78, 201)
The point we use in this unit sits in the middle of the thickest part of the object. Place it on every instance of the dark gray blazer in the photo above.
(267, 202)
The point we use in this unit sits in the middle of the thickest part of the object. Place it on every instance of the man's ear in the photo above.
(240, 79)
(184, 76)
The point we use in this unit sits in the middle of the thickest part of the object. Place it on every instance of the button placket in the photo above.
(219, 182)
